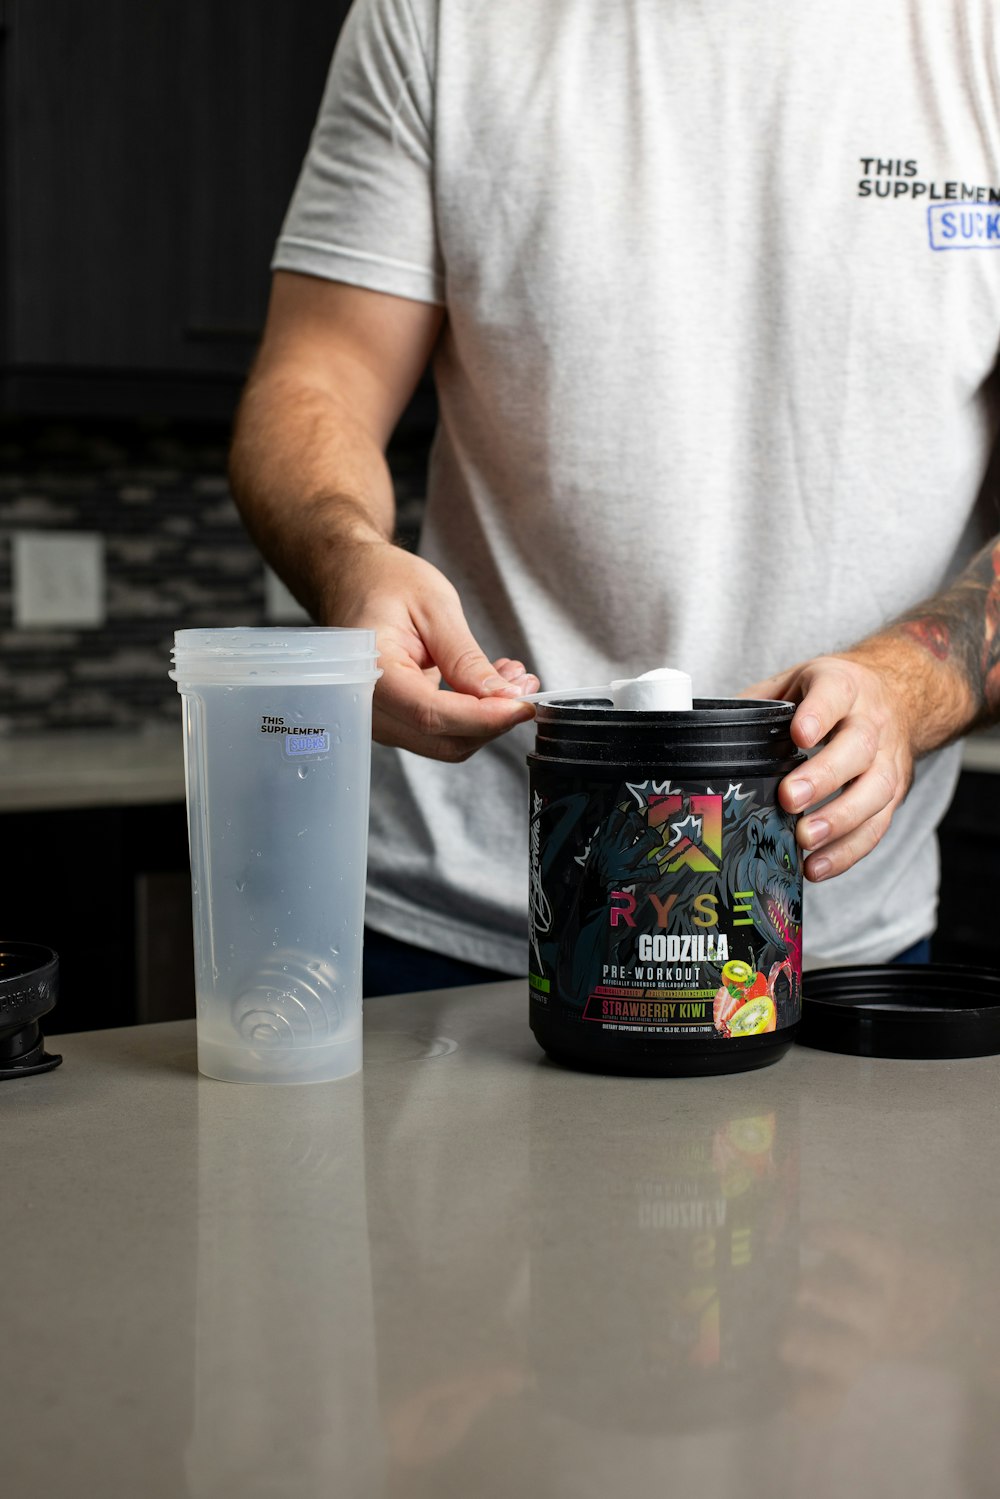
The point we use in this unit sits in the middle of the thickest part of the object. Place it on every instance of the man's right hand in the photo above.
(335, 370)
(424, 642)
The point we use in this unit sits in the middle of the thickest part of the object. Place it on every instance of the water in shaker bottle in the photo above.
(277, 758)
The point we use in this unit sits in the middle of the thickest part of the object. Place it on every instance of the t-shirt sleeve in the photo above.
(363, 208)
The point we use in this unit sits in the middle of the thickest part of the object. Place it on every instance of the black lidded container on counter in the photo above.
(665, 901)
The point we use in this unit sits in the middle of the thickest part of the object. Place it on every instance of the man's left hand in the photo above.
(860, 719)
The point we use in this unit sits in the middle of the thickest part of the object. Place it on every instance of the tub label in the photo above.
(662, 906)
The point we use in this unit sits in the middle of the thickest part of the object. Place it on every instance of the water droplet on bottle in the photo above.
(258, 853)
(335, 951)
(241, 885)
(302, 832)
(301, 772)
(314, 967)
(275, 942)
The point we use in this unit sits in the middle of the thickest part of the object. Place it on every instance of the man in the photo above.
(712, 312)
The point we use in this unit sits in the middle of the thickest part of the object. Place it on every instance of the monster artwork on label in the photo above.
(665, 907)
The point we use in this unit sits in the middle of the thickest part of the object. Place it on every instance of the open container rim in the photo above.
(270, 642)
(716, 736)
(729, 711)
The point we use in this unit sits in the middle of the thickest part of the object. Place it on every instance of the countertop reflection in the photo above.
(468, 1273)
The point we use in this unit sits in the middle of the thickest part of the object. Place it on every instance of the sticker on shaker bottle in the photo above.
(307, 742)
(298, 740)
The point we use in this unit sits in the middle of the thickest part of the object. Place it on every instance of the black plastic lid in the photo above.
(751, 735)
(29, 987)
(902, 1010)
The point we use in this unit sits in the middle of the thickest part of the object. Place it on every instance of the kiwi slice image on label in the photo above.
(737, 972)
(754, 1017)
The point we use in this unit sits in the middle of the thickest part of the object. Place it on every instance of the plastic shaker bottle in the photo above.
(277, 757)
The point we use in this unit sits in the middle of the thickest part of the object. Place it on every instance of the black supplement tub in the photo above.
(665, 904)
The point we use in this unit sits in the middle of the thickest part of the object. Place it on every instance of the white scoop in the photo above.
(663, 690)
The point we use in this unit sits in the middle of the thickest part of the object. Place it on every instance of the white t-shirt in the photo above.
(723, 297)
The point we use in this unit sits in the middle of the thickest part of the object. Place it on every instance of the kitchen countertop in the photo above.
(105, 768)
(91, 768)
(467, 1274)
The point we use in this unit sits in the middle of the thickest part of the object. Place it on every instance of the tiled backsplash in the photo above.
(175, 555)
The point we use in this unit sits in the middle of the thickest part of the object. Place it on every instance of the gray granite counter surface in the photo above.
(467, 1274)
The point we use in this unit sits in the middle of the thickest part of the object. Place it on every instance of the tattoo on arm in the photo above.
(961, 628)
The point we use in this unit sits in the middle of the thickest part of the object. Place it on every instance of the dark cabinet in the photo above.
(970, 872)
(109, 889)
(149, 151)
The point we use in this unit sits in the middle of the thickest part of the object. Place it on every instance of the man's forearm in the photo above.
(959, 630)
(943, 656)
(310, 482)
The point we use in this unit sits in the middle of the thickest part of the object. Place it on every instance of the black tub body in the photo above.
(665, 887)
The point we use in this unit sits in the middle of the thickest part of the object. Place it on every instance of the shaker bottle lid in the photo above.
(29, 986)
(902, 1010)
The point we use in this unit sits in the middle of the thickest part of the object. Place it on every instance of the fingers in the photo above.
(424, 641)
(862, 812)
(413, 713)
(462, 661)
(517, 675)
(776, 688)
(865, 755)
(860, 762)
(842, 831)
(829, 691)
(826, 690)
(848, 754)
